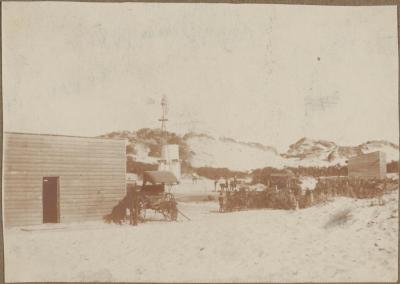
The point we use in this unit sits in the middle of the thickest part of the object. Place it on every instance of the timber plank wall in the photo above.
(371, 165)
(91, 175)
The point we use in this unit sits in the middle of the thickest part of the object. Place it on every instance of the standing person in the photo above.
(334, 187)
(226, 183)
(350, 189)
(231, 185)
(358, 187)
(215, 184)
(134, 205)
(307, 198)
(381, 191)
(292, 201)
(129, 199)
(355, 187)
(228, 201)
(222, 186)
(345, 185)
(221, 202)
(329, 188)
(339, 191)
(297, 190)
(325, 190)
(361, 188)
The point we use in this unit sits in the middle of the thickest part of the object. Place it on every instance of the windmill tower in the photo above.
(164, 119)
(169, 160)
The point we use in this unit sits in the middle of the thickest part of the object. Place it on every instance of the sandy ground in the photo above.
(246, 246)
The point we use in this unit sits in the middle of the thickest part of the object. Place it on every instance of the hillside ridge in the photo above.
(204, 150)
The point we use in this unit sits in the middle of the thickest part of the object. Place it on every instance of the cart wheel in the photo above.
(170, 212)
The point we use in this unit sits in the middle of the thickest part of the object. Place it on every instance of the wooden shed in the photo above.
(60, 179)
(371, 165)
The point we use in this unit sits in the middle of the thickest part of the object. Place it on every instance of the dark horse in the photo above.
(129, 202)
(118, 212)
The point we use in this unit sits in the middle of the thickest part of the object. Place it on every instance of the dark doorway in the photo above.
(51, 200)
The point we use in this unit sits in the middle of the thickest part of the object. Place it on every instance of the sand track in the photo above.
(247, 246)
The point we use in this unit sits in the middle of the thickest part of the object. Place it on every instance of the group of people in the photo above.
(249, 199)
(293, 197)
(351, 187)
(229, 184)
(232, 199)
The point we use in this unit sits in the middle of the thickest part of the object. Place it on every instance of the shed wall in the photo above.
(91, 175)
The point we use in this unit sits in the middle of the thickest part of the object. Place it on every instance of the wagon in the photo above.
(154, 196)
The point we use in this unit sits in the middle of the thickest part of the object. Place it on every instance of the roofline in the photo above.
(365, 154)
(60, 135)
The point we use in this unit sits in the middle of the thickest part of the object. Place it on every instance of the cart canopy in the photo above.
(159, 177)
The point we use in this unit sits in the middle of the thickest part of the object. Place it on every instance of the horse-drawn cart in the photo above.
(154, 196)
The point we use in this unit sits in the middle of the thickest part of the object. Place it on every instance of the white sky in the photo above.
(250, 72)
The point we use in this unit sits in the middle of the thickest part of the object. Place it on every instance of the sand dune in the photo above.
(343, 240)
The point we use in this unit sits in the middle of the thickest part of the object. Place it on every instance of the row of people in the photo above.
(228, 184)
(350, 187)
(246, 199)
(294, 197)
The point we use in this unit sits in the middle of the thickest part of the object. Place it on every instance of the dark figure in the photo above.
(380, 191)
(231, 186)
(118, 213)
(243, 198)
(222, 185)
(356, 188)
(133, 206)
(362, 188)
(334, 188)
(215, 185)
(296, 190)
(308, 198)
(293, 204)
(325, 190)
(228, 201)
(351, 190)
(221, 202)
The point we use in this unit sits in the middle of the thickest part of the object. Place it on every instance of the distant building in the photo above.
(371, 165)
(170, 160)
(57, 179)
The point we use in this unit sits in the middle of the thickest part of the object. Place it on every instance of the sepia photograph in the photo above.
(199, 142)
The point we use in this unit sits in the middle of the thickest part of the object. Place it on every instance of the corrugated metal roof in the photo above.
(157, 177)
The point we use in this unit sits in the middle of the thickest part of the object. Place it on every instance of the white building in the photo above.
(170, 160)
